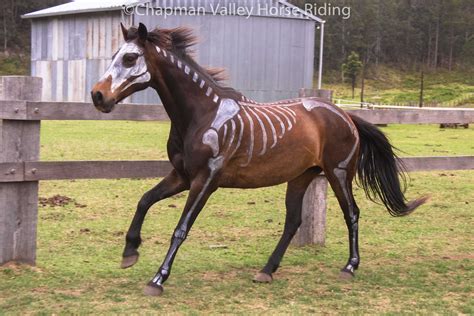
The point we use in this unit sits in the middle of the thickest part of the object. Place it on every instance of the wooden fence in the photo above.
(21, 113)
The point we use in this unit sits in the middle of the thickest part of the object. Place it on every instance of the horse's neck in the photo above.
(186, 93)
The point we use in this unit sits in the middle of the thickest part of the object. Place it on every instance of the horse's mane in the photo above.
(179, 40)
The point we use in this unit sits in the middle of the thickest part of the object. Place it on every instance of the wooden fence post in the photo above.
(313, 226)
(19, 142)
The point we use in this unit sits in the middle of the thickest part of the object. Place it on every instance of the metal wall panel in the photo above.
(266, 58)
(308, 62)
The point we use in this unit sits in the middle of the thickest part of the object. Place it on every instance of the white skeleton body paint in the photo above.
(311, 104)
(264, 133)
(255, 117)
(270, 123)
(211, 139)
(266, 115)
(340, 171)
(250, 149)
(119, 74)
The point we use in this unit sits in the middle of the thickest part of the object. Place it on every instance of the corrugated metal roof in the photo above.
(85, 6)
(82, 6)
(303, 12)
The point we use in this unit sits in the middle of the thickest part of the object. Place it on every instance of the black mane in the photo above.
(179, 40)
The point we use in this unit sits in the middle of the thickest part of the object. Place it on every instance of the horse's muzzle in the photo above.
(102, 102)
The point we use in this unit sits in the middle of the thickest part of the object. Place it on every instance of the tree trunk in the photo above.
(451, 44)
(378, 40)
(428, 58)
(435, 58)
(421, 89)
(5, 35)
(362, 86)
(353, 86)
(343, 38)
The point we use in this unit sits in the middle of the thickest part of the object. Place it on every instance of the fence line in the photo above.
(407, 104)
(21, 113)
(65, 170)
(37, 111)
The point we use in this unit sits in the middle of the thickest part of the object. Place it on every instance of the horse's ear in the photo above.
(124, 31)
(142, 32)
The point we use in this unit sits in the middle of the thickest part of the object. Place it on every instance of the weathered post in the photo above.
(19, 142)
(313, 226)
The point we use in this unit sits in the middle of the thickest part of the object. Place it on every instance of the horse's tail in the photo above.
(378, 170)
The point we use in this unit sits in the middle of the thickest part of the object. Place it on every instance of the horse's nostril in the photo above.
(99, 96)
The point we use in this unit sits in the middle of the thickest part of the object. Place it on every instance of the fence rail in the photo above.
(39, 111)
(21, 113)
(452, 104)
(65, 170)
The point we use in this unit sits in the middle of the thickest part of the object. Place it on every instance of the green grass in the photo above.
(14, 65)
(124, 140)
(419, 264)
(391, 86)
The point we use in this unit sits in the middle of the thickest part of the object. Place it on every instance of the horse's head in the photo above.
(128, 72)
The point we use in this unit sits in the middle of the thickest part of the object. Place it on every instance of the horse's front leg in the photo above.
(201, 188)
(172, 184)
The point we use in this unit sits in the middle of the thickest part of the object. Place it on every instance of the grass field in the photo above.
(393, 86)
(420, 264)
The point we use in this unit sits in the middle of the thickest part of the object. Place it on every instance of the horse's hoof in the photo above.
(153, 290)
(346, 275)
(129, 261)
(263, 277)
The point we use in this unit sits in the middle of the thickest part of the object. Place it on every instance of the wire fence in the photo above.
(448, 105)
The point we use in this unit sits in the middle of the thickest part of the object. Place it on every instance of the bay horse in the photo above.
(220, 138)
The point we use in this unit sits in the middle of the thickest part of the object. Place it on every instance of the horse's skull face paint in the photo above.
(126, 74)
(128, 66)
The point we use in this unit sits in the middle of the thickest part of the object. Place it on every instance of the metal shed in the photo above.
(268, 51)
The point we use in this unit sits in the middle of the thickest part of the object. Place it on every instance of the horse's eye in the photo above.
(129, 59)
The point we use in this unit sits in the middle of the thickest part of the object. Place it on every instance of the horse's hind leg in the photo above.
(294, 202)
(172, 184)
(341, 182)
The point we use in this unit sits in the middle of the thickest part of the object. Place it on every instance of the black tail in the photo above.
(378, 170)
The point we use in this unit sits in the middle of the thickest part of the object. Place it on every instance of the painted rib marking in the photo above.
(225, 135)
(232, 135)
(264, 132)
(241, 132)
(277, 109)
(274, 133)
(282, 125)
(291, 113)
(252, 136)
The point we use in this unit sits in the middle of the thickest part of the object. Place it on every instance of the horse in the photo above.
(221, 138)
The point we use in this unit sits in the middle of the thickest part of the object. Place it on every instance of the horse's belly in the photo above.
(264, 172)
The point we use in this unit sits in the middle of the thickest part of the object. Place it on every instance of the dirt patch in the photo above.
(18, 267)
(59, 200)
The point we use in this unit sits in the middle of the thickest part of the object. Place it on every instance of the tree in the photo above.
(351, 68)
(15, 31)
